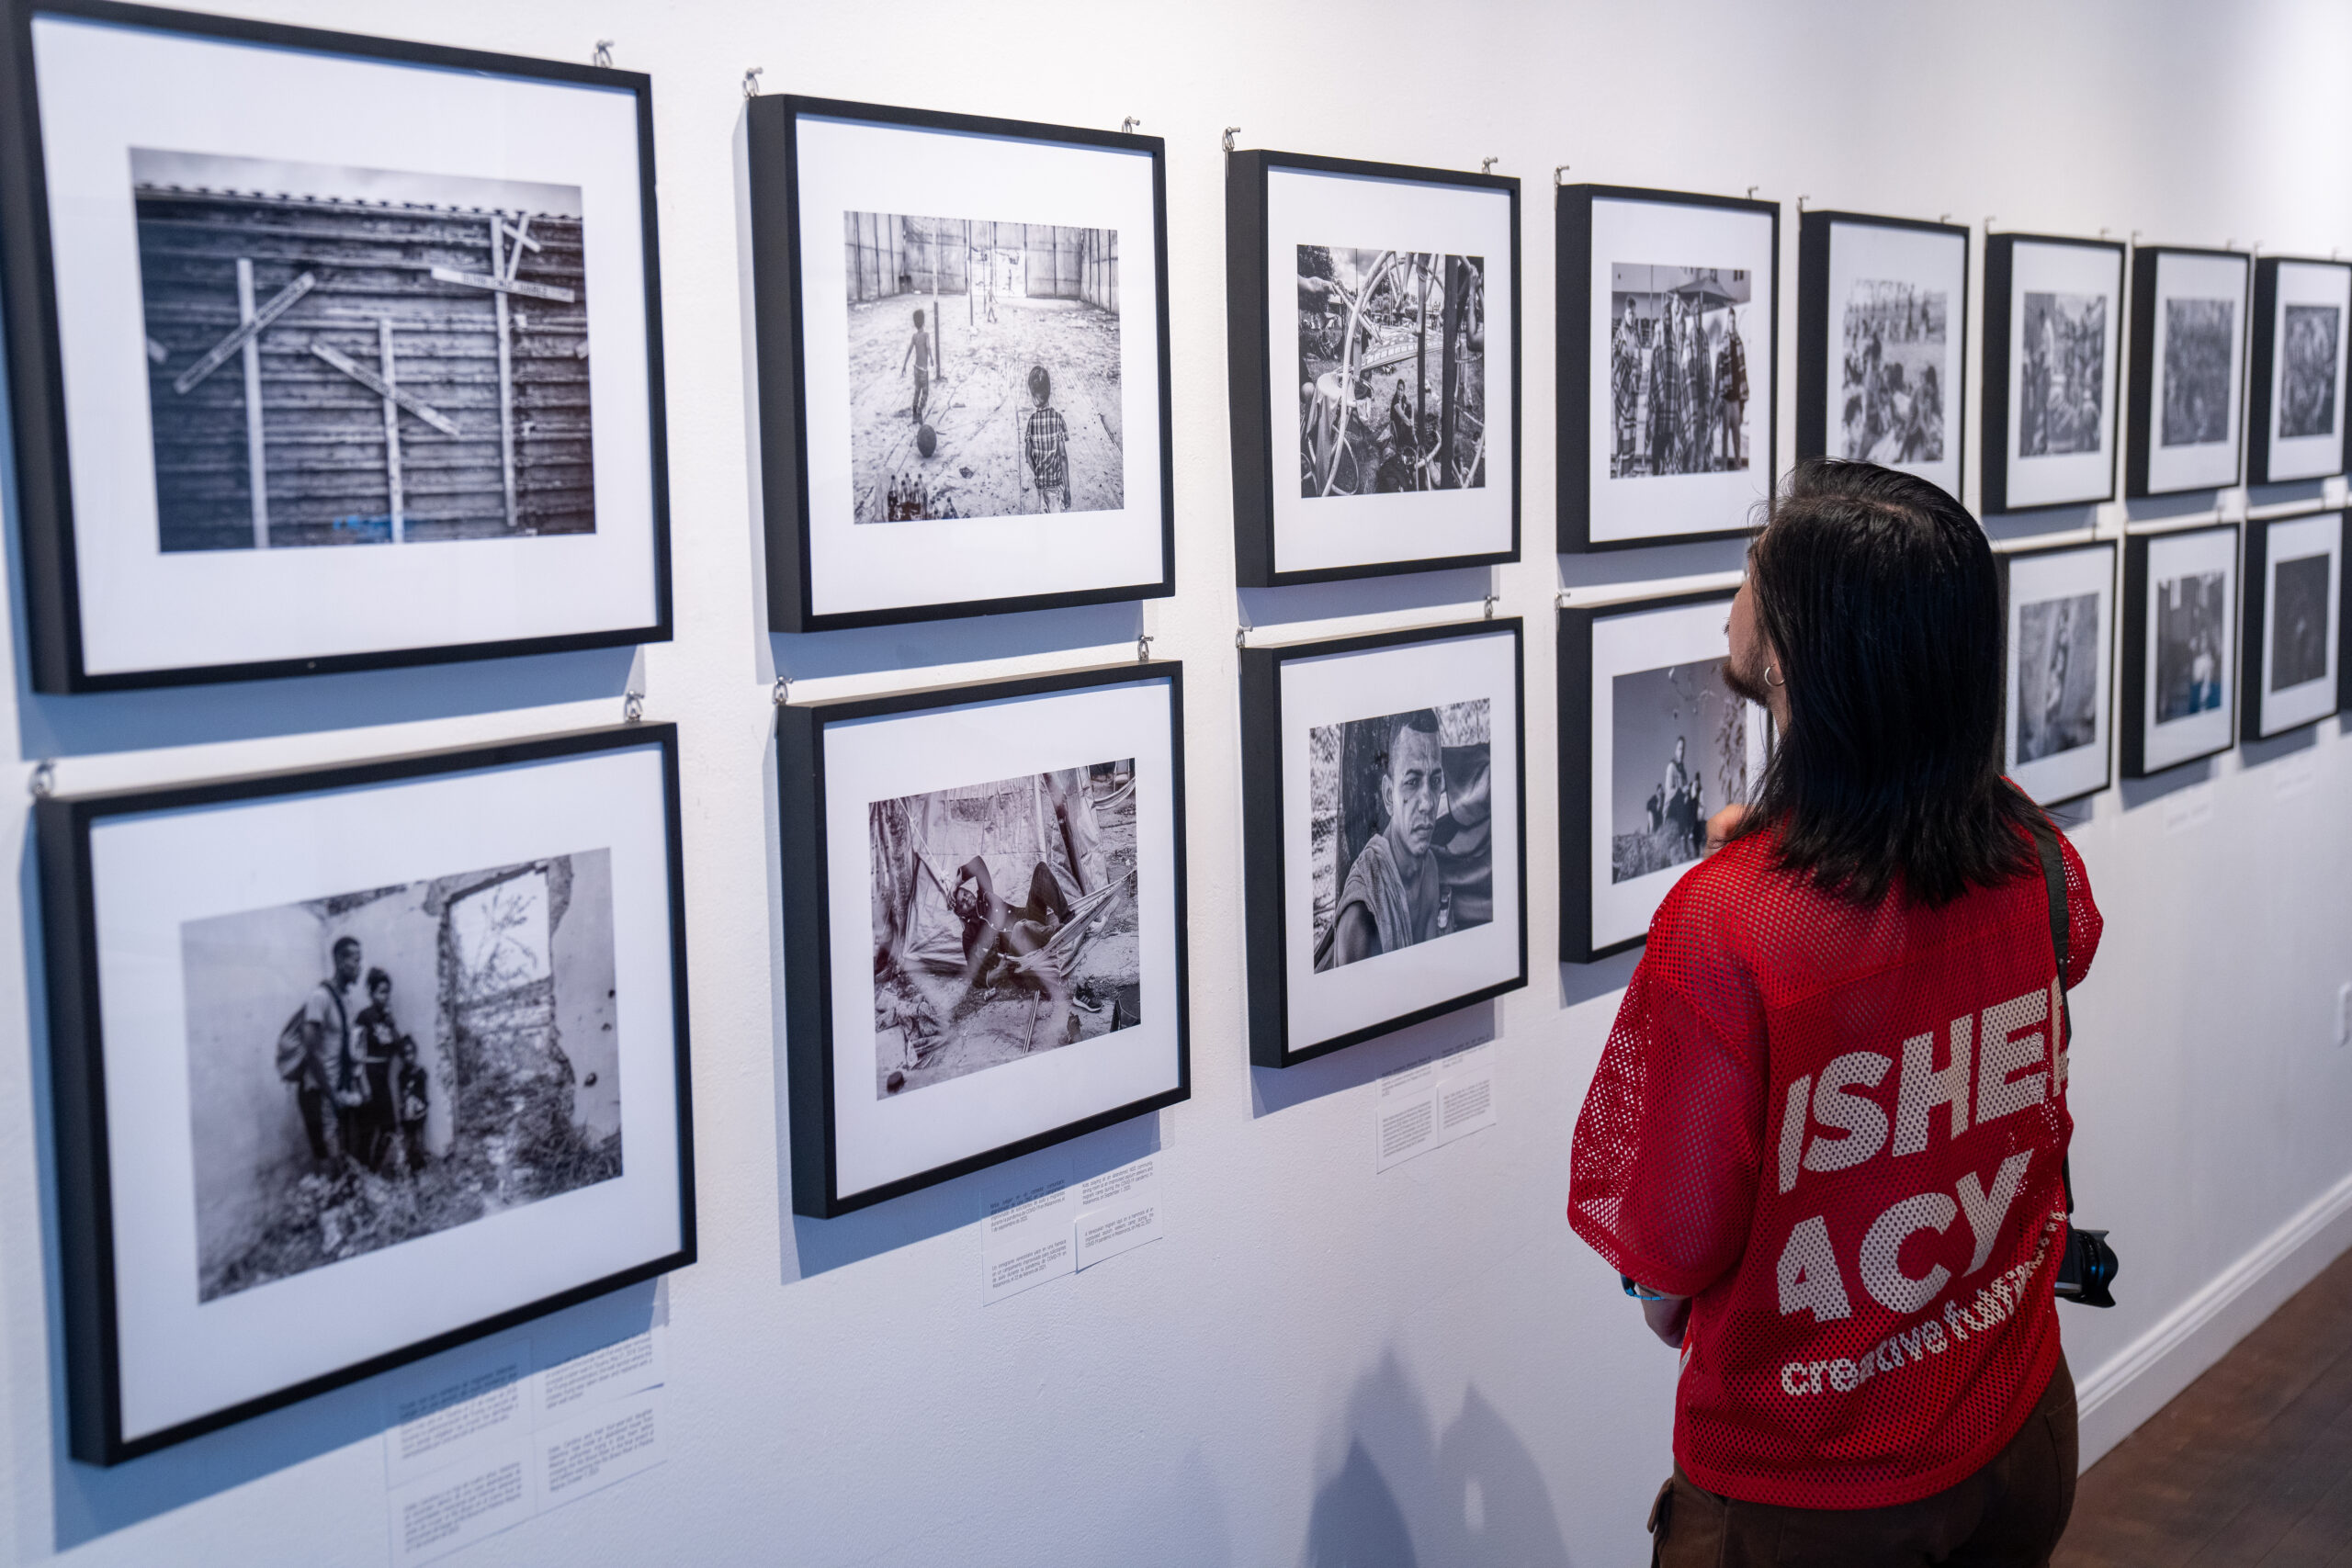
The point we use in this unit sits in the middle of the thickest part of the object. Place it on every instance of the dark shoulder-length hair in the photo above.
(1879, 594)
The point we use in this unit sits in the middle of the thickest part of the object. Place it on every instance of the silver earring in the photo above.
(1770, 676)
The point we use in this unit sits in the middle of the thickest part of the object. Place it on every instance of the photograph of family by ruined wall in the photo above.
(373, 1066)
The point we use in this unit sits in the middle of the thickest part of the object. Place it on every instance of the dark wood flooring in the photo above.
(2252, 1463)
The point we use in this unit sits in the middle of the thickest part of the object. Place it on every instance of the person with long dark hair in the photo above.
(1823, 1145)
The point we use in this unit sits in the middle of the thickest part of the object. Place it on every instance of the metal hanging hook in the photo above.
(1127, 125)
(1241, 637)
(1752, 190)
(1143, 647)
(632, 707)
(780, 694)
(1801, 200)
(1492, 600)
(1560, 169)
(1231, 132)
(751, 81)
(1487, 165)
(604, 55)
(43, 782)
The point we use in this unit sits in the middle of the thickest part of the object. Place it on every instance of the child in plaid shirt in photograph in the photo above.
(1044, 443)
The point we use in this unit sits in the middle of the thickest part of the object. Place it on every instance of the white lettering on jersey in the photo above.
(1859, 1119)
(2004, 1054)
(1924, 1086)
(1986, 1213)
(1792, 1129)
(1883, 1275)
(1808, 1273)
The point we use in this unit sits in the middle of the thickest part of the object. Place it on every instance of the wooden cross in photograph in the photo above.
(387, 387)
(251, 323)
(501, 281)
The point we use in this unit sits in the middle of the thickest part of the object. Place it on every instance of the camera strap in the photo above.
(2053, 880)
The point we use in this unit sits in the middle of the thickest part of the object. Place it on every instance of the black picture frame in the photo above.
(2262, 364)
(61, 828)
(2254, 619)
(1999, 375)
(2005, 562)
(1816, 346)
(1262, 789)
(1575, 654)
(808, 935)
(1573, 368)
(36, 362)
(2138, 404)
(1249, 328)
(780, 360)
(2131, 664)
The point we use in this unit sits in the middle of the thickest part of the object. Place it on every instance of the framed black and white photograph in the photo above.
(2188, 336)
(2295, 581)
(2295, 380)
(1385, 815)
(1669, 362)
(300, 334)
(2053, 317)
(961, 341)
(354, 1064)
(2057, 693)
(984, 923)
(1651, 744)
(1373, 342)
(1882, 339)
(2180, 645)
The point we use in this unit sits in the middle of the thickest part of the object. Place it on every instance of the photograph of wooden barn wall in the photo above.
(420, 372)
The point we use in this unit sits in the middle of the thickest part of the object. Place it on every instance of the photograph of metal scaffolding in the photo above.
(984, 374)
(346, 355)
(1392, 370)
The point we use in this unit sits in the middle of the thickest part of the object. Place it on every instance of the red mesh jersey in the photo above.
(1840, 1128)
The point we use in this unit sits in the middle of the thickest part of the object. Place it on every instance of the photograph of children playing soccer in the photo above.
(983, 368)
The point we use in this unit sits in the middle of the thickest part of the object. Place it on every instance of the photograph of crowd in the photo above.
(1679, 744)
(2200, 338)
(2062, 396)
(2307, 378)
(2298, 620)
(373, 1066)
(965, 978)
(1677, 369)
(1896, 371)
(2192, 613)
(2057, 691)
(1392, 371)
(1400, 829)
(984, 368)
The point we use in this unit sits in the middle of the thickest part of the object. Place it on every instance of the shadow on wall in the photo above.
(1405, 1494)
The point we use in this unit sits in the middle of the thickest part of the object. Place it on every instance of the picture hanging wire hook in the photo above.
(1143, 647)
(1491, 601)
(1560, 169)
(43, 782)
(1487, 165)
(782, 695)
(1231, 132)
(1801, 200)
(1752, 190)
(604, 55)
(1988, 223)
(751, 81)
(1241, 637)
(1943, 217)
(1127, 125)
(632, 707)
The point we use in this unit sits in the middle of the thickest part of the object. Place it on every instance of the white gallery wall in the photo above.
(1319, 1363)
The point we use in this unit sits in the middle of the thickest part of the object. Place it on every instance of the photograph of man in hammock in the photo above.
(965, 979)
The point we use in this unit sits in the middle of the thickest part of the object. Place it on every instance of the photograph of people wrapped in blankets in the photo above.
(1005, 921)
(983, 368)
(1400, 829)
(1894, 371)
(1677, 369)
(2061, 392)
(1679, 739)
(1392, 371)
(373, 1066)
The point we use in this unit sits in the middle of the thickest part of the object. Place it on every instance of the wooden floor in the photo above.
(2251, 1464)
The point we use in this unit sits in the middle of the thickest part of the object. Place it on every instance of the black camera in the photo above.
(2087, 1269)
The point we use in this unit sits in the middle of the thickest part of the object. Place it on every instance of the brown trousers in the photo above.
(2009, 1515)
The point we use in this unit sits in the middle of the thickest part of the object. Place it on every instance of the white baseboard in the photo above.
(2145, 1375)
